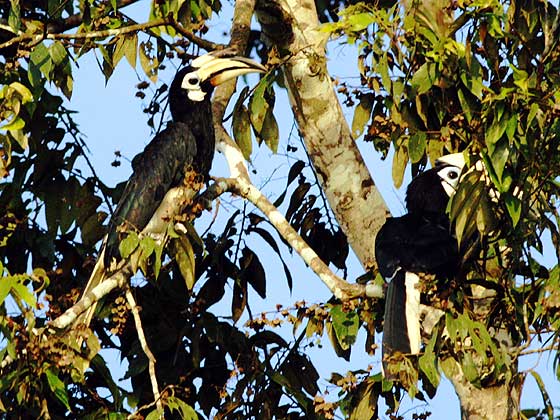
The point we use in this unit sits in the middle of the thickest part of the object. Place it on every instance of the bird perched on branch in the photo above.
(149, 200)
(418, 243)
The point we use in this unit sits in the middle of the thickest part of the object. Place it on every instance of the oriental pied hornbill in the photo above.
(187, 142)
(420, 242)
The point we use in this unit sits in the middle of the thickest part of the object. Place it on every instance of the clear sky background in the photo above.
(112, 119)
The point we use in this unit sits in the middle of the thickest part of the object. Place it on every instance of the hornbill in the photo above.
(159, 171)
(420, 242)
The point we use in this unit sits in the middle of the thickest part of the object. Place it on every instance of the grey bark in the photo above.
(291, 26)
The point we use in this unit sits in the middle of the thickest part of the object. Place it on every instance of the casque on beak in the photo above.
(216, 68)
(453, 159)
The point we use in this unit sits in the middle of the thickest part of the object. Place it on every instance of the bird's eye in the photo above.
(453, 174)
(192, 80)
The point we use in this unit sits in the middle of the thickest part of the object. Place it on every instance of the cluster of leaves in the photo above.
(480, 77)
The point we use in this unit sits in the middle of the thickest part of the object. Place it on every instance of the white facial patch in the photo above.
(449, 179)
(191, 83)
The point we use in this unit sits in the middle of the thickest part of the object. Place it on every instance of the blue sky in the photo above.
(112, 119)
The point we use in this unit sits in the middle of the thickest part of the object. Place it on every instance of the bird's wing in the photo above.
(405, 246)
(156, 170)
(421, 244)
(160, 167)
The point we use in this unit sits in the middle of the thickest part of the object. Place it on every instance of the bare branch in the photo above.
(35, 39)
(338, 286)
(118, 280)
(145, 348)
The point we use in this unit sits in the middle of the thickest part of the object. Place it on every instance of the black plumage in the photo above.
(419, 242)
(187, 143)
(150, 195)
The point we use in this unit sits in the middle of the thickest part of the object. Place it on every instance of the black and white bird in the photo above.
(147, 203)
(420, 242)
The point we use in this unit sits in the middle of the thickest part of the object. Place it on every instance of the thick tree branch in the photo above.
(241, 184)
(118, 280)
(292, 27)
(339, 287)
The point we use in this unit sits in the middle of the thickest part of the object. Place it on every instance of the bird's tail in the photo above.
(401, 326)
(96, 277)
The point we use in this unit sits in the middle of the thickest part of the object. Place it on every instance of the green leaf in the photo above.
(359, 21)
(270, 133)
(155, 415)
(258, 104)
(428, 362)
(464, 204)
(367, 397)
(5, 287)
(131, 49)
(362, 114)
(14, 19)
(496, 130)
(417, 146)
(513, 205)
(186, 412)
(147, 246)
(239, 300)
(400, 160)
(24, 293)
(25, 93)
(129, 244)
(469, 368)
(58, 53)
(424, 78)
(253, 272)
(148, 61)
(16, 123)
(58, 388)
(546, 398)
(183, 254)
(346, 324)
(242, 130)
(499, 158)
(157, 261)
(39, 62)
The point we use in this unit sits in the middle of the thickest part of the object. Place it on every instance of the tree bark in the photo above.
(292, 27)
(498, 402)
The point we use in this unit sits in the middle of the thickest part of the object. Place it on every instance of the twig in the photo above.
(145, 348)
(35, 39)
(540, 350)
(202, 43)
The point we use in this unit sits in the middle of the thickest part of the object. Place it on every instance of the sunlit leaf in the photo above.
(346, 324)
(129, 244)
(417, 146)
(400, 160)
(362, 114)
(242, 131)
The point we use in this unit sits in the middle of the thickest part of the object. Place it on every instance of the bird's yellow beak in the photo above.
(217, 69)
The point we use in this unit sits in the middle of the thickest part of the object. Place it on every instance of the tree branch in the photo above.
(118, 280)
(339, 287)
(145, 348)
(35, 39)
(292, 27)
